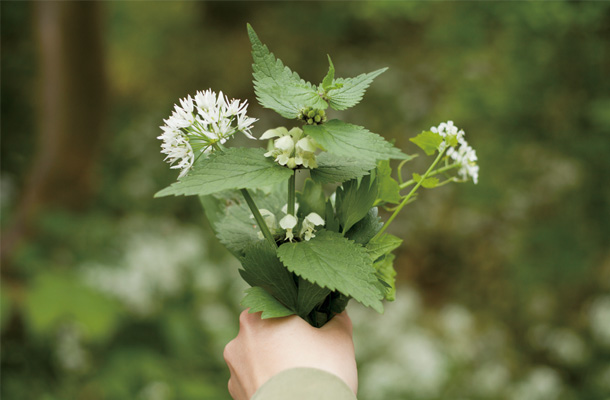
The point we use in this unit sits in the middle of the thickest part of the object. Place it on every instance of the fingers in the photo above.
(341, 322)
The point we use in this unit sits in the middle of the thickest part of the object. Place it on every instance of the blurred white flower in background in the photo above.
(542, 383)
(152, 267)
(599, 320)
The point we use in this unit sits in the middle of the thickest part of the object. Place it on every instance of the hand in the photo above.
(266, 347)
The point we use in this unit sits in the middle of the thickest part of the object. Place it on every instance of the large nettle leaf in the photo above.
(258, 299)
(262, 268)
(347, 140)
(366, 228)
(354, 200)
(337, 263)
(336, 169)
(277, 87)
(233, 168)
(346, 93)
(382, 245)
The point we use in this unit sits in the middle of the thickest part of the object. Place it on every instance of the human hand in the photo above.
(266, 347)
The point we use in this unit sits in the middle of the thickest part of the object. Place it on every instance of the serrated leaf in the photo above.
(428, 183)
(428, 141)
(336, 169)
(354, 199)
(311, 199)
(350, 90)
(389, 189)
(277, 87)
(334, 262)
(258, 300)
(262, 268)
(310, 295)
(353, 141)
(234, 168)
(386, 274)
(382, 245)
(327, 83)
(366, 228)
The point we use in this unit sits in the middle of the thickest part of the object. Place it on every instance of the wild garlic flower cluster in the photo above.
(198, 124)
(462, 154)
(291, 148)
(289, 222)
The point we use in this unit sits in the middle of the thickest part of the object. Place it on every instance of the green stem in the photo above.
(407, 197)
(292, 193)
(262, 225)
(438, 171)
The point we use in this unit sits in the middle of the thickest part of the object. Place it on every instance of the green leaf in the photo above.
(257, 299)
(336, 169)
(386, 274)
(428, 141)
(350, 91)
(428, 183)
(354, 200)
(277, 87)
(389, 189)
(236, 228)
(262, 268)
(353, 141)
(310, 295)
(382, 245)
(366, 228)
(54, 298)
(327, 83)
(234, 168)
(334, 262)
(331, 222)
(311, 199)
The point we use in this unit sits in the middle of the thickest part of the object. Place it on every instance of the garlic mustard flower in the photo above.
(198, 124)
(309, 223)
(291, 148)
(464, 155)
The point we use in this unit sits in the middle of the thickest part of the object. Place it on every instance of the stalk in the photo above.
(438, 171)
(292, 193)
(411, 193)
(258, 217)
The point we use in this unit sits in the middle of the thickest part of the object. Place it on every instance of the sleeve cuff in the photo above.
(304, 384)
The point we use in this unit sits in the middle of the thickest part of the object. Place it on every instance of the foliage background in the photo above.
(504, 287)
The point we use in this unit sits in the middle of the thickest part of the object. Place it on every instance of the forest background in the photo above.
(503, 287)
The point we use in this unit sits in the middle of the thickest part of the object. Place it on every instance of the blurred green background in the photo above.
(504, 287)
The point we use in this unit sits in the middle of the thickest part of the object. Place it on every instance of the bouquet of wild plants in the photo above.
(303, 252)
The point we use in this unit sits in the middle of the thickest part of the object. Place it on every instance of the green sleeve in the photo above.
(304, 384)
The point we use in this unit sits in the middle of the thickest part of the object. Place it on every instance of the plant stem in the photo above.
(292, 193)
(438, 171)
(262, 225)
(411, 193)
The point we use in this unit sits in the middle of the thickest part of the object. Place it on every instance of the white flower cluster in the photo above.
(464, 155)
(291, 148)
(289, 222)
(197, 124)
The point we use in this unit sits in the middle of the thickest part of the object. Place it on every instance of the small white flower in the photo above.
(288, 223)
(309, 223)
(464, 155)
(199, 123)
(285, 208)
